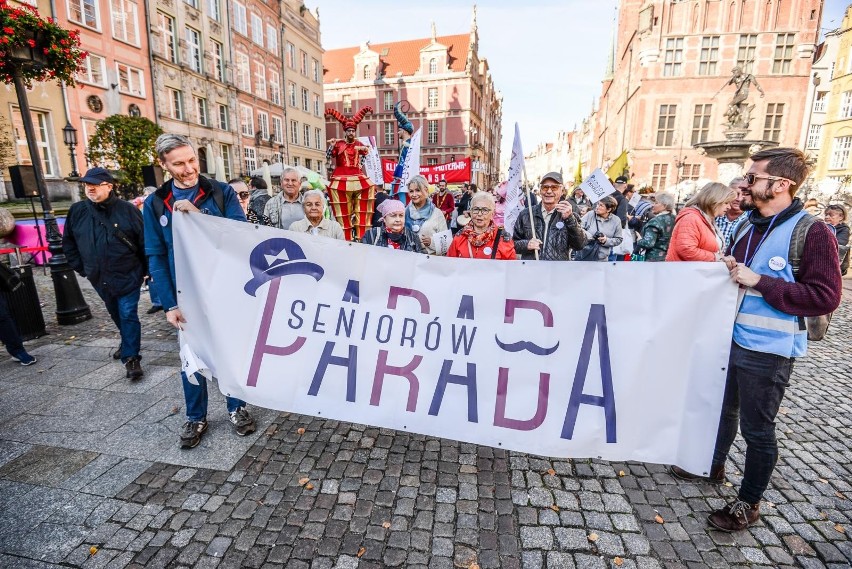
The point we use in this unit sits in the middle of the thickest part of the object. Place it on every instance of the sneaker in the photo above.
(190, 436)
(134, 368)
(736, 516)
(116, 355)
(154, 309)
(717, 475)
(243, 422)
(24, 358)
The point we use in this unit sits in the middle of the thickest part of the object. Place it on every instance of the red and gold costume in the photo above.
(350, 192)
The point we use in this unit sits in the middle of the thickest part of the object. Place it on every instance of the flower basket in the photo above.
(37, 48)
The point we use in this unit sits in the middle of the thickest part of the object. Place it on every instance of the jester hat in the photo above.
(348, 122)
(402, 120)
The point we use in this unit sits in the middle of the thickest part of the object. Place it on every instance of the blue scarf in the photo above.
(420, 216)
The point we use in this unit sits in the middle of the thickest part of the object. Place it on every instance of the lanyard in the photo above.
(748, 260)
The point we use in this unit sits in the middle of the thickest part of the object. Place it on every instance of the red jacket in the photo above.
(446, 204)
(693, 237)
(460, 247)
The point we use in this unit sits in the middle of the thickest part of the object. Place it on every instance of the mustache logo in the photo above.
(523, 345)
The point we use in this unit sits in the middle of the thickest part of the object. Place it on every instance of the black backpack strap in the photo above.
(797, 241)
(219, 198)
(496, 241)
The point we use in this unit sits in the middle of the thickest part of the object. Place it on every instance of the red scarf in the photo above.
(481, 239)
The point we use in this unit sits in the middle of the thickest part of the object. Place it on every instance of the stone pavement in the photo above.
(91, 476)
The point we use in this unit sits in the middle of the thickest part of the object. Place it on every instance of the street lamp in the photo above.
(71, 308)
(69, 136)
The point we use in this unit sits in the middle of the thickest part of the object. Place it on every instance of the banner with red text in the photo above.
(487, 352)
(453, 172)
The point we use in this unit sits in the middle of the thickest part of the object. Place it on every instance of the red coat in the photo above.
(347, 158)
(460, 247)
(693, 238)
(446, 204)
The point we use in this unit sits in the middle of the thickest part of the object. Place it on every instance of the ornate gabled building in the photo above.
(446, 88)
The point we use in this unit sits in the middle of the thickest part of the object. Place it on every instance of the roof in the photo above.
(396, 57)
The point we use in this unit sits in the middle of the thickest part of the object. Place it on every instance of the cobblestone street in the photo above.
(91, 476)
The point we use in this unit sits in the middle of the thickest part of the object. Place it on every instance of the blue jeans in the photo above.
(124, 312)
(196, 398)
(753, 392)
(9, 334)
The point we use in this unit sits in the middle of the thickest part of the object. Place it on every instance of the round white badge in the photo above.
(560, 225)
(415, 228)
(777, 263)
(164, 221)
(487, 250)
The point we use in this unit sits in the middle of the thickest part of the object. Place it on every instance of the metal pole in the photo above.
(71, 308)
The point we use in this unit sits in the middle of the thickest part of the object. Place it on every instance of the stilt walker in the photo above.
(399, 189)
(350, 190)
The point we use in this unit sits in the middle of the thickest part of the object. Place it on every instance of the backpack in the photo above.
(817, 326)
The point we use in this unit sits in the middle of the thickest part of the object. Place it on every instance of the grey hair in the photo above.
(312, 193)
(666, 200)
(287, 170)
(421, 183)
(735, 183)
(168, 142)
(483, 197)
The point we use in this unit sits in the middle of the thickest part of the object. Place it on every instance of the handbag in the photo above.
(591, 249)
(10, 280)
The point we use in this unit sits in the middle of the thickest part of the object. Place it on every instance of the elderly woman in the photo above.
(603, 227)
(835, 217)
(481, 239)
(314, 223)
(393, 233)
(657, 232)
(244, 197)
(421, 215)
(695, 236)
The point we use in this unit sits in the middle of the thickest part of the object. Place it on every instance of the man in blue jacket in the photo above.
(103, 241)
(186, 192)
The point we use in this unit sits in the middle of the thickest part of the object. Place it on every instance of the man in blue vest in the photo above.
(186, 192)
(778, 292)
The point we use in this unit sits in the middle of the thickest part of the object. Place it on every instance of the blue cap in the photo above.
(97, 176)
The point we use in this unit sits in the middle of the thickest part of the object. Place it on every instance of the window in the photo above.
(814, 136)
(303, 58)
(318, 139)
(389, 133)
(278, 130)
(840, 153)
(291, 94)
(246, 120)
(306, 135)
(240, 22)
(666, 125)
(690, 172)
(263, 125)
(250, 155)
(347, 104)
(175, 104)
(432, 130)
(259, 79)
(256, 29)
(820, 101)
(316, 105)
(125, 21)
(673, 62)
(291, 56)
(201, 111)
(130, 80)
(315, 70)
(294, 132)
(193, 3)
(272, 39)
(243, 81)
(308, 163)
(218, 61)
(701, 123)
(84, 12)
(709, 55)
(306, 103)
(659, 175)
(167, 30)
(89, 128)
(274, 87)
(41, 122)
(93, 71)
(226, 158)
(783, 53)
(431, 161)
(193, 49)
(846, 105)
(387, 98)
(772, 122)
(366, 72)
(433, 98)
(746, 52)
(296, 161)
(214, 10)
(224, 121)
(433, 65)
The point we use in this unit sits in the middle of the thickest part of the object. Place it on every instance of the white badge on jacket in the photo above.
(777, 263)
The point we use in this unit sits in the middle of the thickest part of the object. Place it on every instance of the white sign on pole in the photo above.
(411, 166)
(491, 353)
(514, 206)
(635, 199)
(372, 162)
(597, 186)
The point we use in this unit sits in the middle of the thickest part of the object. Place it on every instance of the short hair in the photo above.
(312, 193)
(287, 170)
(483, 197)
(666, 200)
(233, 181)
(735, 183)
(790, 163)
(609, 202)
(838, 207)
(710, 196)
(420, 182)
(257, 183)
(167, 142)
(441, 182)
(473, 188)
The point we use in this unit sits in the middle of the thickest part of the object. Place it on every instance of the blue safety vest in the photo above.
(759, 326)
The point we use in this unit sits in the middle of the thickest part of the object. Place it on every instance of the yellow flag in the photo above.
(578, 174)
(618, 167)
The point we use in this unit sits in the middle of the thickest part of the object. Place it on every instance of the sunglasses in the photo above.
(751, 178)
(243, 195)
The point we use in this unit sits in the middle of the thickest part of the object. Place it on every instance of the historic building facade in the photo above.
(446, 89)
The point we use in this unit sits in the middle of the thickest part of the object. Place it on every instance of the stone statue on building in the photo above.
(738, 114)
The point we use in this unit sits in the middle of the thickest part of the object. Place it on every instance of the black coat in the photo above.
(98, 253)
(560, 240)
(376, 236)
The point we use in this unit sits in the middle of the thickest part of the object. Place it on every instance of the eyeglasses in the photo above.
(751, 178)
(480, 210)
(550, 187)
(243, 195)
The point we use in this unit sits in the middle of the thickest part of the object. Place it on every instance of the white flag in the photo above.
(411, 166)
(372, 162)
(597, 186)
(514, 206)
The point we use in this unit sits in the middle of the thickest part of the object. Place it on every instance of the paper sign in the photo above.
(634, 201)
(190, 363)
(441, 241)
(597, 186)
(372, 161)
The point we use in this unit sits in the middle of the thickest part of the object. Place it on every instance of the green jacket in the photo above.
(656, 236)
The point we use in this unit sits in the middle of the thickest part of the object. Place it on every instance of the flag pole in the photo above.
(529, 209)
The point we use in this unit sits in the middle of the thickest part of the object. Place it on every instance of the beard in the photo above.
(754, 196)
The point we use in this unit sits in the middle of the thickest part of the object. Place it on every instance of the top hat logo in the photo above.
(275, 258)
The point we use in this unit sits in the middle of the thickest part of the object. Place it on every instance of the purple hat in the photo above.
(388, 207)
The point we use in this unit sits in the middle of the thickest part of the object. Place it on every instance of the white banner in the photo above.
(372, 162)
(492, 353)
(597, 186)
(514, 207)
(411, 166)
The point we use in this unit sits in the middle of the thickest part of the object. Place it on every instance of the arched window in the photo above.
(367, 73)
(433, 65)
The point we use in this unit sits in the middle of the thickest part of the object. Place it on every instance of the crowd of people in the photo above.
(786, 262)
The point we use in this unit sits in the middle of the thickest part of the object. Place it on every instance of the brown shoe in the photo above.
(717, 475)
(736, 516)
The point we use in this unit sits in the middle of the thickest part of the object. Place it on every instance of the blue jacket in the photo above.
(159, 241)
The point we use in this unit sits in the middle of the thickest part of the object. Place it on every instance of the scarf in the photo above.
(395, 237)
(762, 223)
(419, 216)
(482, 238)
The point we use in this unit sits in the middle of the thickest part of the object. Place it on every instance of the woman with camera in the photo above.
(603, 229)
